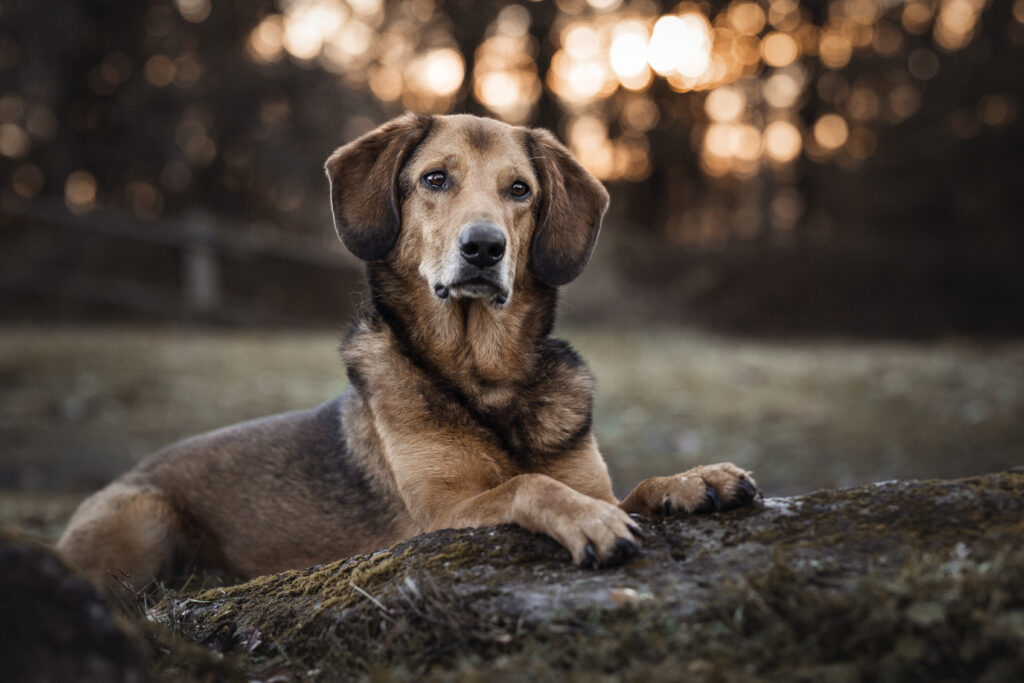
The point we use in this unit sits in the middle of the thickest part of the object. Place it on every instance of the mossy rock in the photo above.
(913, 580)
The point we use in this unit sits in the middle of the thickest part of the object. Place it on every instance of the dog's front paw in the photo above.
(599, 534)
(707, 488)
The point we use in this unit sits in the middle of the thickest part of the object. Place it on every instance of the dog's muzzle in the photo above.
(478, 273)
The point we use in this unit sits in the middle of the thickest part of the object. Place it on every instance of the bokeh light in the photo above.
(996, 110)
(439, 72)
(757, 84)
(628, 55)
(782, 90)
(783, 141)
(143, 199)
(956, 22)
(195, 11)
(681, 45)
(779, 49)
(746, 18)
(753, 60)
(160, 70)
(831, 131)
(266, 42)
(14, 141)
(80, 192)
(27, 180)
(725, 104)
(750, 56)
(505, 76)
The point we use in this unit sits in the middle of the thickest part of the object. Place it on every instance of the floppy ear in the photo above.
(365, 195)
(572, 205)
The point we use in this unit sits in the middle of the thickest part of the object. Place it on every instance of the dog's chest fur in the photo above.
(530, 421)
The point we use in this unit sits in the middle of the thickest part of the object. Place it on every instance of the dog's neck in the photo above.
(469, 341)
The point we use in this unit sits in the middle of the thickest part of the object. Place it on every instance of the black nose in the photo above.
(482, 244)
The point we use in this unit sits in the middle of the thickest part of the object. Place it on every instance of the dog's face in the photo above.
(468, 214)
(476, 208)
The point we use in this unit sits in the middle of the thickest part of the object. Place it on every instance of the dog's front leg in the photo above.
(703, 489)
(594, 531)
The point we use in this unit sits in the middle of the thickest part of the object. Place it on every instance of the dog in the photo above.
(462, 411)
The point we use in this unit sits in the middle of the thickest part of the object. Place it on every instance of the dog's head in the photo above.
(475, 207)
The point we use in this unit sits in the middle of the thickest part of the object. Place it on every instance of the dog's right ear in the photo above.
(365, 195)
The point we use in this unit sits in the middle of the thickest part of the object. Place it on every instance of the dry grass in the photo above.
(806, 415)
(79, 405)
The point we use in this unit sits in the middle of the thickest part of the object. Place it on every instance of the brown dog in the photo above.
(462, 410)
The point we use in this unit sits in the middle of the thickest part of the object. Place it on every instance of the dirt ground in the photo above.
(80, 404)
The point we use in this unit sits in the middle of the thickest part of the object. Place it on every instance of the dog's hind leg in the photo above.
(124, 530)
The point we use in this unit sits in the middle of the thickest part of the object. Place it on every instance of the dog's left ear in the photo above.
(364, 185)
(572, 205)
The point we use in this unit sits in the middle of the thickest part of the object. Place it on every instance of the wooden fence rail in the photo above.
(204, 242)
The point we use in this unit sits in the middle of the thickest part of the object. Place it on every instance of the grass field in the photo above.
(79, 405)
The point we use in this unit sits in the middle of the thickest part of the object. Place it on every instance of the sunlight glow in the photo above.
(628, 53)
(588, 139)
(834, 49)
(681, 44)
(956, 23)
(442, 71)
(746, 18)
(725, 104)
(505, 76)
(386, 83)
(779, 49)
(757, 60)
(831, 131)
(782, 90)
(267, 39)
(782, 141)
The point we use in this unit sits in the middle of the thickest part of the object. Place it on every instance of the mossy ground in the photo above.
(940, 618)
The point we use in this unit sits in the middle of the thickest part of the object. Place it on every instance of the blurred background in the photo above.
(812, 265)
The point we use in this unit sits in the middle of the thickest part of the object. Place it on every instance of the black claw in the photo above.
(750, 489)
(635, 530)
(625, 547)
(591, 559)
(714, 498)
(667, 507)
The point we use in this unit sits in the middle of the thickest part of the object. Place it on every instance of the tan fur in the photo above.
(136, 524)
(463, 412)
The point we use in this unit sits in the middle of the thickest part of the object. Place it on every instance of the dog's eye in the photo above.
(519, 190)
(435, 180)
